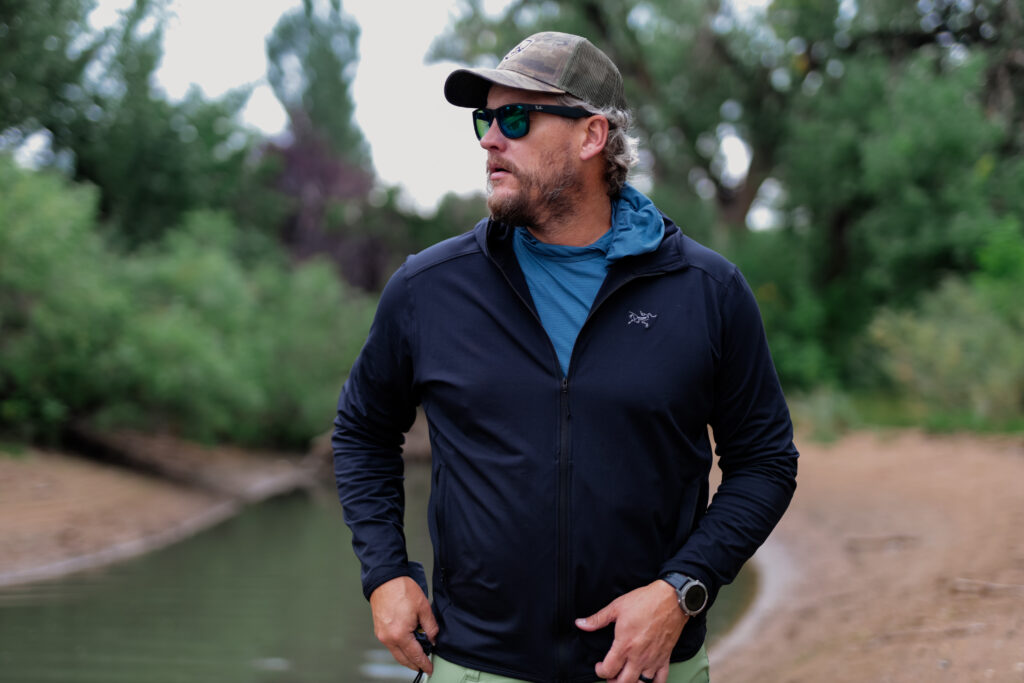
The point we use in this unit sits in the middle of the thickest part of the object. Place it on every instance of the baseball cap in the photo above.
(550, 62)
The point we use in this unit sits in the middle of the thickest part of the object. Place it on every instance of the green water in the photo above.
(271, 596)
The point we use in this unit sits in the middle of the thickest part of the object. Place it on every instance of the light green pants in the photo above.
(693, 670)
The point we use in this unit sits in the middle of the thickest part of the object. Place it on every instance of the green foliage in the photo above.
(324, 170)
(59, 312)
(672, 76)
(824, 413)
(695, 217)
(894, 130)
(312, 328)
(954, 354)
(959, 352)
(895, 194)
(454, 215)
(1000, 278)
(152, 160)
(779, 269)
(44, 48)
(312, 54)
(186, 334)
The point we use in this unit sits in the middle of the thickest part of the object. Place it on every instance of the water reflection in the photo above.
(272, 596)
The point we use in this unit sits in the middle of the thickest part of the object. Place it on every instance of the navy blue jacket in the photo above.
(553, 495)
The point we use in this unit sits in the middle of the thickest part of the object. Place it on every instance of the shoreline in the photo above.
(124, 550)
(62, 513)
(776, 574)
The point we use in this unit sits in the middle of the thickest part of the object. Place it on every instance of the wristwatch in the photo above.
(691, 593)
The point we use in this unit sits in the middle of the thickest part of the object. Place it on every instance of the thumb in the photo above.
(599, 620)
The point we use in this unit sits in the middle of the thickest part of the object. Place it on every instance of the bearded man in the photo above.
(570, 353)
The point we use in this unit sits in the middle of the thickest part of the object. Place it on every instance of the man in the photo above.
(570, 353)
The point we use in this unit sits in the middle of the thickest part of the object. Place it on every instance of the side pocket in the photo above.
(440, 488)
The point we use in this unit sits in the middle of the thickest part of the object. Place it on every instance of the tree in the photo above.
(888, 162)
(312, 54)
(882, 137)
(45, 46)
(324, 168)
(691, 88)
(152, 159)
(93, 93)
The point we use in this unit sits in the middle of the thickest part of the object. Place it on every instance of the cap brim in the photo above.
(468, 87)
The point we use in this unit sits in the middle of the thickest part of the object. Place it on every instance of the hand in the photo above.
(399, 607)
(648, 622)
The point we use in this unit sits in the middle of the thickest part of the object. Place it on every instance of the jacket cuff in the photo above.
(378, 577)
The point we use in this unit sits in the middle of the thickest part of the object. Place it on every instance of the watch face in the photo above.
(695, 597)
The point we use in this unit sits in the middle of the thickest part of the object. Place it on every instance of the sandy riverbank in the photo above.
(61, 513)
(901, 558)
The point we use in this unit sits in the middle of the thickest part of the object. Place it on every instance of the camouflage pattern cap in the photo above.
(548, 62)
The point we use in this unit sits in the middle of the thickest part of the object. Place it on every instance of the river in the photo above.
(271, 596)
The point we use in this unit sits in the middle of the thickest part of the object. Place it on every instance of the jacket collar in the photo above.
(495, 239)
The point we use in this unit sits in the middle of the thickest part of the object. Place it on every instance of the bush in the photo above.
(59, 309)
(309, 331)
(187, 335)
(954, 354)
(249, 354)
(823, 414)
(959, 352)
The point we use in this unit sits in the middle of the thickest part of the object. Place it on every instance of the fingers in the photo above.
(414, 651)
(629, 673)
(409, 653)
(635, 674)
(399, 607)
(599, 620)
(613, 663)
(648, 622)
(427, 621)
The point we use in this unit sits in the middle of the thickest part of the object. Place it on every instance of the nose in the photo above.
(493, 139)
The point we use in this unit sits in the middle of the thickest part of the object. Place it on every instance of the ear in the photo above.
(595, 137)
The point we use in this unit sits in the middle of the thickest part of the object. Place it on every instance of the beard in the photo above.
(544, 196)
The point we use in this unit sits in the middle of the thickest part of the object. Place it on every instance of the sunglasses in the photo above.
(514, 119)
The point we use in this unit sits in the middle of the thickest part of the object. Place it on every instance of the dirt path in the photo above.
(901, 558)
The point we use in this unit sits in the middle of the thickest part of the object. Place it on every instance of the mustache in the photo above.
(494, 163)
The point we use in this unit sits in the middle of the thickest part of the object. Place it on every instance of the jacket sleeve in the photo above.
(754, 441)
(376, 407)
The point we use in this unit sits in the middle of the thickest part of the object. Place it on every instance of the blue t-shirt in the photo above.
(564, 280)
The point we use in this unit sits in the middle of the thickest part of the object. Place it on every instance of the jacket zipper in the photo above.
(564, 615)
(564, 567)
(565, 606)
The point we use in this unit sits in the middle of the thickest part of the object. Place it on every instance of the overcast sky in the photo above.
(429, 154)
